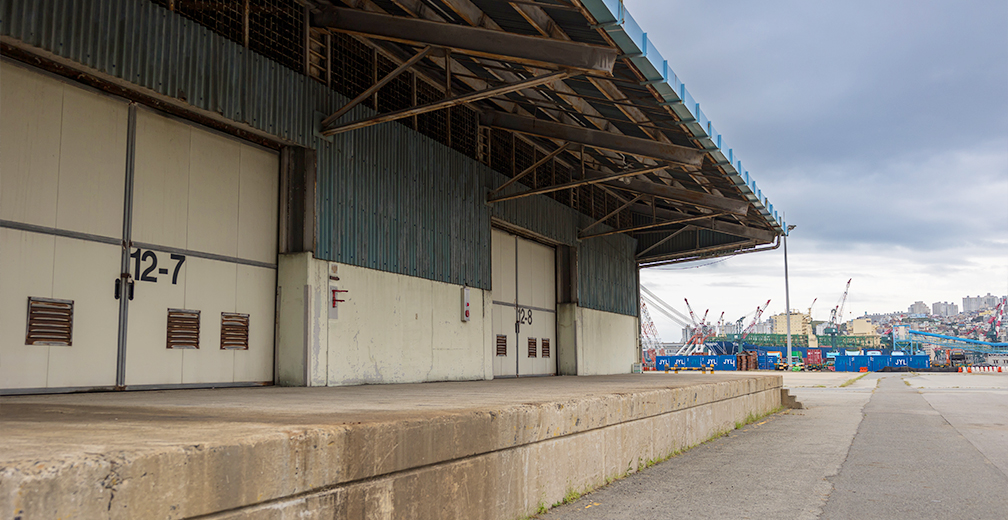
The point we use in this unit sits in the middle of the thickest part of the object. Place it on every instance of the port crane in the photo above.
(650, 342)
(701, 333)
(835, 314)
(752, 324)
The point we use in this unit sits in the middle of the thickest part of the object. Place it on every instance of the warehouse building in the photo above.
(234, 193)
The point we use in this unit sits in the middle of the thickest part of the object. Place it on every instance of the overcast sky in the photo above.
(879, 128)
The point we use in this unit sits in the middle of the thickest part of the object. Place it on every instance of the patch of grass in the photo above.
(819, 386)
(571, 496)
(751, 418)
(541, 510)
(905, 382)
(852, 380)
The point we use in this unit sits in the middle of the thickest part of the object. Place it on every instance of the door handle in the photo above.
(118, 287)
(131, 285)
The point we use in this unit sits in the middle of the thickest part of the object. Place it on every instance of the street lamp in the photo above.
(787, 299)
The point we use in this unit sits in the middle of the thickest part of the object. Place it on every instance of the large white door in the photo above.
(62, 164)
(524, 306)
(202, 249)
(503, 294)
(204, 257)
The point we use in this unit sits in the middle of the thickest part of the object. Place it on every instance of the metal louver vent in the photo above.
(183, 328)
(50, 322)
(501, 345)
(533, 347)
(234, 331)
(545, 347)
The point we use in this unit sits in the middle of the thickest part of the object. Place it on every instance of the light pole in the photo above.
(787, 299)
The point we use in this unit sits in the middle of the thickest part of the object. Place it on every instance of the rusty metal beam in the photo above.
(666, 239)
(696, 198)
(374, 88)
(613, 212)
(594, 138)
(762, 235)
(530, 169)
(597, 177)
(646, 226)
(527, 50)
(444, 103)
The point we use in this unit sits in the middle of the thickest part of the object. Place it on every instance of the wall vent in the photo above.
(50, 322)
(545, 347)
(183, 328)
(234, 331)
(501, 345)
(533, 347)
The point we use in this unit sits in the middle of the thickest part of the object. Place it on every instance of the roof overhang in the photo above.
(585, 87)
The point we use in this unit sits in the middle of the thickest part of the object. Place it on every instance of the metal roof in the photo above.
(600, 121)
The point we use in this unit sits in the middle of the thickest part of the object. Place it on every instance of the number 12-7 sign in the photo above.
(151, 270)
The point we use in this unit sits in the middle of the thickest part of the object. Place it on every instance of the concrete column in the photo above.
(567, 339)
(302, 321)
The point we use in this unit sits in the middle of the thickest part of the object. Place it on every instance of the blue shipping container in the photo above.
(877, 363)
(715, 362)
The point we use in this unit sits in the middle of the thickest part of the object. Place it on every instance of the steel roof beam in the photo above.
(527, 50)
(530, 169)
(662, 241)
(377, 86)
(594, 138)
(697, 198)
(444, 103)
(645, 226)
(597, 177)
(727, 228)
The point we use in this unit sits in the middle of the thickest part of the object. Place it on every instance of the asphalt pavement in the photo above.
(891, 445)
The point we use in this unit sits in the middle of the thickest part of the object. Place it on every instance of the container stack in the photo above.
(746, 361)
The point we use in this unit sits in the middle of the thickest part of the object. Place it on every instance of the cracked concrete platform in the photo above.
(482, 449)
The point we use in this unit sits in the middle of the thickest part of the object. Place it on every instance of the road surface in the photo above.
(891, 445)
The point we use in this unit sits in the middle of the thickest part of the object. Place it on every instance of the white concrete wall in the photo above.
(606, 342)
(394, 328)
(391, 328)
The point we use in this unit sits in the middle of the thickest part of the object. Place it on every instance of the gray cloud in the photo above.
(879, 128)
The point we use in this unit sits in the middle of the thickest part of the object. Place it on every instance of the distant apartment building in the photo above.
(944, 309)
(860, 327)
(979, 303)
(920, 307)
(800, 323)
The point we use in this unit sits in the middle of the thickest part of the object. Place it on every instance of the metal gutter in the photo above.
(612, 16)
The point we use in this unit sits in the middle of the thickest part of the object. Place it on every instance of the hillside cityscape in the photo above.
(975, 319)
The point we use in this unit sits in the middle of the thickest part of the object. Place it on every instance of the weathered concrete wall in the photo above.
(394, 328)
(497, 463)
(592, 342)
(391, 328)
(607, 342)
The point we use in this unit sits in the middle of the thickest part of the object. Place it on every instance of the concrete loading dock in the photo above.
(485, 449)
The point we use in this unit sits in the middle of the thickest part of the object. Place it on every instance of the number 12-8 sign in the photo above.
(151, 270)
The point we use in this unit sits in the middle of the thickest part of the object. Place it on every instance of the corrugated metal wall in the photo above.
(389, 198)
(394, 200)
